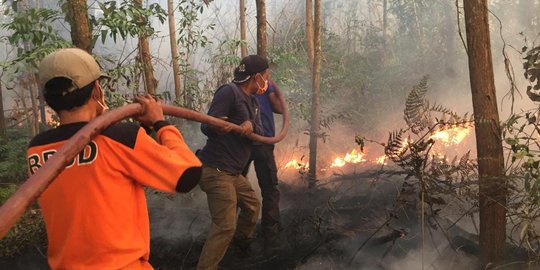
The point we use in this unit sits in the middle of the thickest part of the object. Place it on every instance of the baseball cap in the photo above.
(250, 65)
(72, 63)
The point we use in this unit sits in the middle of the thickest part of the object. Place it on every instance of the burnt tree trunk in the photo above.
(150, 81)
(261, 28)
(309, 31)
(315, 96)
(243, 29)
(488, 135)
(80, 27)
(174, 51)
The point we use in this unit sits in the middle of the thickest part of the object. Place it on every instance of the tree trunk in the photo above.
(243, 28)
(488, 135)
(261, 28)
(309, 31)
(385, 19)
(33, 122)
(315, 96)
(2, 118)
(41, 98)
(174, 50)
(34, 103)
(80, 28)
(150, 82)
(26, 111)
(385, 32)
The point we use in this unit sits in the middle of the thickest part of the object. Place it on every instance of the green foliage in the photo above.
(13, 165)
(127, 20)
(29, 232)
(6, 190)
(123, 76)
(190, 35)
(33, 35)
(520, 134)
(531, 65)
(225, 60)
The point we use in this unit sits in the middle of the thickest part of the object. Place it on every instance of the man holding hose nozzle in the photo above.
(95, 211)
(224, 157)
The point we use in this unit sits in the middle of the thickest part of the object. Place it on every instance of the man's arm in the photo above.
(168, 165)
(277, 107)
(220, 107)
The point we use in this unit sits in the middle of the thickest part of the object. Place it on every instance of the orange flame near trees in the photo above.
(296, 165)
(381, 160)
(451, 136)
(353, 157)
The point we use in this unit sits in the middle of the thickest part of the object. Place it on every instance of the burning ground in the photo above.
(366, 214)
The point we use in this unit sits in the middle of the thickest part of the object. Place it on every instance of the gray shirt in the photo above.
(230, 151)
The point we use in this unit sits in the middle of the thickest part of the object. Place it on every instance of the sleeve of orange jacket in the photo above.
(168, 165)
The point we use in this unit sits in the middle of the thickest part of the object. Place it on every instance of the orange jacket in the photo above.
(95, 211)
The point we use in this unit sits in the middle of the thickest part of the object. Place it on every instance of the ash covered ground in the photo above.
(365, 220)
(368, 220)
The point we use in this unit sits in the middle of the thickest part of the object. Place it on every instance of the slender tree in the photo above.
(309, 31)
(243, 28)
(150, 82)
(80, 27)
(174, 50)
(315, 96)
(2, 118)
(488, 134)
(261, 28)
(385, 31)
(28, 84)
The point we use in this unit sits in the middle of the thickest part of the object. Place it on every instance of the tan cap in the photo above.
(72, 63)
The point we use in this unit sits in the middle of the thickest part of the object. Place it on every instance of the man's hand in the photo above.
(247, 128)
(152, 111)
(226, 129)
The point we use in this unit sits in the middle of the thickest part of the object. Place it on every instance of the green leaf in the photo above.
(103, 36)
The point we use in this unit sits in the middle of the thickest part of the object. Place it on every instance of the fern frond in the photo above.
(417, 107)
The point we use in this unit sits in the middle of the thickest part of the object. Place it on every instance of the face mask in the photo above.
(104, 107)
(101, 103)
(262, 89)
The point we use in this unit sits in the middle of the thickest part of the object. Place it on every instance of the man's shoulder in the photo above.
(228, 89)
(227, 93)
(124, 133)
(54, 135)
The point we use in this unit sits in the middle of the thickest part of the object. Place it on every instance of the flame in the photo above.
(402, 149)
(352, 157)
(451, 136)
(381, 160)
(296, 165)
(404, 146)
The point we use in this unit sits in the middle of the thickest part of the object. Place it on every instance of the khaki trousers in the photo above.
(225, 193)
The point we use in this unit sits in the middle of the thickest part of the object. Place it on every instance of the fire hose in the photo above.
(29, 191)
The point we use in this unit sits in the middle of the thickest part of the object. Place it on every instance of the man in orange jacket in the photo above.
(95, 211)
